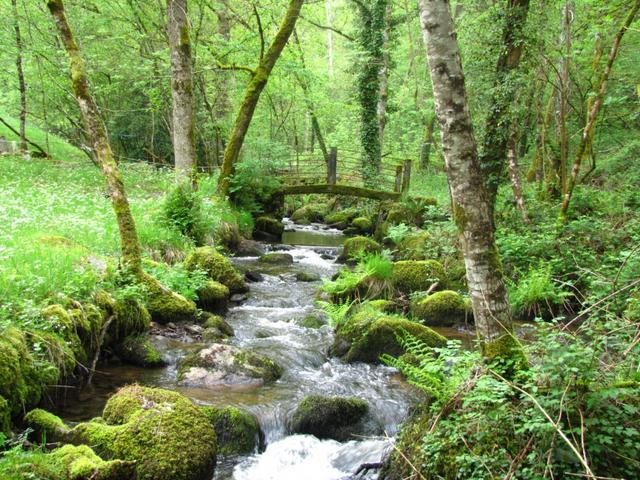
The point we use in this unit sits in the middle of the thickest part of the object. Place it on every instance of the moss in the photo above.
(276, 258)
(329, 417)
(269, 225)
(368, 334)
(417, 275)
(5, 416)
(213, 297)
(138, 350)
(130, 317)
(216, 328)
(217, 267)
(46, 425)
(362, 224)
(81, 463)
(506, 354)
(309, 214)
(459, 217)
(381, 305)
(413, 246)
(61, 321)
(441, 309)
(228, 235)
(398, 213)
(312, 321)
(167, 436)
(164, 305)
(357, 246)
(237, 431)
(343, 218)
(307, 277)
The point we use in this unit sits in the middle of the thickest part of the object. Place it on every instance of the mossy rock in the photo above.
(130, 316)
(276, 258)
(5, 416)
(228, 235)
(67, 328)
(309, 214)
(82, 463)
(213, 297)
(342, 218)
(398, 213)
(139, 351)
(46, 425)
(217, 267)
(418, 275)
(307, 277)
(357, 246)
(382, 305)
(312, 321)
(441, 309)
(166, 306)
(216, 328)
(337, 418)
(270, 226)
(22, 380)
(220, 365)
(362, 225)
(413, 246)
(163, 432)
(369, 334)
(237, 431)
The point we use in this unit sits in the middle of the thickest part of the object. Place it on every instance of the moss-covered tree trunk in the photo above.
(256, 85)
(163, 304)
(183, 124)
(470, 198)
(21, 83)
(371, 17)
(493, 159)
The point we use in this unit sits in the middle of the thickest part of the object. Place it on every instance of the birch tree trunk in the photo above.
(470, 199)
(384, 73)
(182, 91)
(21, 83)
(562, 105)
(514, 173)
(256, 85)
(331, 16)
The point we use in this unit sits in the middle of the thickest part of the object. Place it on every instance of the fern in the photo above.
(337, 312)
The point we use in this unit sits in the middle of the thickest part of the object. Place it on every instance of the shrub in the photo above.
(182, 210)
(538, 295)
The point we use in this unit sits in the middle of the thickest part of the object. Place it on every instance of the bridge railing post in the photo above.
(398, 186)
(406, 178)
(332, 166)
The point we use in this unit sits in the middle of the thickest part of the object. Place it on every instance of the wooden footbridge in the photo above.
(343, 175)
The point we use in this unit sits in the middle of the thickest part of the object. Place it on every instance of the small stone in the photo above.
(238, 298)
(307, 277)
(194, 329)
(171, 326)
(277, 258)
(254, 277)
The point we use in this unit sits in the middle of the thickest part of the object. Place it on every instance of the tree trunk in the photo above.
(331, 16)
(593, 113)
(21, 82)
(427, 145)
(514, 173)
(562, 106)
(184, 150)
(256, 85)
(470, 200)
(223, 86)
(494, 152)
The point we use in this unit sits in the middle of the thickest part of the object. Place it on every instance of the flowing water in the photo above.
(267, 322)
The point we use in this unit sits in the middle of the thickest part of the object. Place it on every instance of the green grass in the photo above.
(56, 147)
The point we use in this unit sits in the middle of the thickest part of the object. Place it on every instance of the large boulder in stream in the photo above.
(441, 309)
(217, 267)
(238, 432)
(358, 246)
(277, 258)
(221, 365)
(337, 418)
(163, 432)
(213, 297)
(418, 275)
(369, 333)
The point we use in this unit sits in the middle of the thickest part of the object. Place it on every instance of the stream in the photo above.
(267, 322)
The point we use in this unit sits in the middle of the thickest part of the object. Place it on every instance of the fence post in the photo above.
(406, 178)
(332, 166)
(398, 187)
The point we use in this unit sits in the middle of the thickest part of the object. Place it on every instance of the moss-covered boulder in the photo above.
(312, 321)
(418, 275)
(362, 225)
(82, 463)
(238, 432)
(23, 378)
(270, 226)
(307, 277)
(216, 328)
(46, 425)
(228, 235)
(357, 246)
(277, 258)
(139, 351)
(368, 334)
(67, 327)
(220, 365)
(337, 418)
(163, 432)
(213, 297)
(217, 267)
(413, 246)
(165, 305)
(342, 218)
(309, 214)
(130, 316)
(441, 309)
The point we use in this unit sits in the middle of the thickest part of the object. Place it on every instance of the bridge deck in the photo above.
(339, 190)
